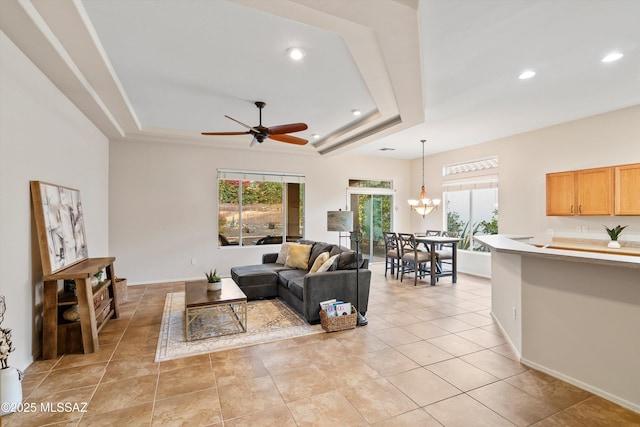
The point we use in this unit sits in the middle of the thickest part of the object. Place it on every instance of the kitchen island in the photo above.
(573, 314)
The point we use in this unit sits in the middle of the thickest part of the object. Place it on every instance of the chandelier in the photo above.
(424, 205)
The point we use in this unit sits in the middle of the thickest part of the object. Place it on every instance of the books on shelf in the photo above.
(335, 308)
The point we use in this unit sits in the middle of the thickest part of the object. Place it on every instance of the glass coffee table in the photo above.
(214, 313)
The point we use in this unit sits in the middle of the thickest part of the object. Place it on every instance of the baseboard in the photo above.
(588, 387)
(506, 337)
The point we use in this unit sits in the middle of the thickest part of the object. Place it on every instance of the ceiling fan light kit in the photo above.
(260, 133)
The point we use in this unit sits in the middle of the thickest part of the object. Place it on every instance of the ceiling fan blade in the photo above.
(289, 139)
(254, 142)
(290, 128)
(240, 123)
(225, 133)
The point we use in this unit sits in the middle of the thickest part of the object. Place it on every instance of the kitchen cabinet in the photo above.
(561, 190)
(627, 189)
(582, 192)
(594, 191)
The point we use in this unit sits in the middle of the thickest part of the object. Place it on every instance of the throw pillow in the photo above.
(329, 265)
(320, 259)
(284, 251)
(317, 249)
(298, 257)
(347, 260)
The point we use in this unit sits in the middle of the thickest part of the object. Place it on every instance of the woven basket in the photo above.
(123, 293)
(339, 323)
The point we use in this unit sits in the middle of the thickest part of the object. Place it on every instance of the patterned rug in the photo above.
(267, 321)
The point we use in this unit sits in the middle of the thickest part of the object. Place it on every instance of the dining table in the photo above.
(431, 242)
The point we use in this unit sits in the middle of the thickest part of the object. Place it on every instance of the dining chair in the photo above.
(413, 260)
(444, 254)
(391, 253)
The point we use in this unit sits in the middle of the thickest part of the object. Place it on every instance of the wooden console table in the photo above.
(55, 301)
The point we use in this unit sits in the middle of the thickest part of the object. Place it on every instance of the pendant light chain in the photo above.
(423, 141)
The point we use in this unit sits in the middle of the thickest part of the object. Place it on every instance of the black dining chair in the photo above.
(412, 259)
(391, 253)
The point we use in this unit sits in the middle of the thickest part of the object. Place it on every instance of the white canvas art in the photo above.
(60, 220)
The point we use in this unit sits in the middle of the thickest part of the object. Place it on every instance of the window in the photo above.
(471, 201)
(259, 208)
(369, 183)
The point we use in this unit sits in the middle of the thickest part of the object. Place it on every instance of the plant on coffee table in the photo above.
(214, 282)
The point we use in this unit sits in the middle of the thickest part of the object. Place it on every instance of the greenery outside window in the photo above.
(471, 202)
(258, 208)
(370, 183)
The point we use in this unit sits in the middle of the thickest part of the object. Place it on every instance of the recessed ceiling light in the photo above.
(295, 53)
(315, 135)
(613, 56)
(526, 75)
(356, 112)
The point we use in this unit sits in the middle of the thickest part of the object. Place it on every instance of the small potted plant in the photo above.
(214, 283)
(614, 233)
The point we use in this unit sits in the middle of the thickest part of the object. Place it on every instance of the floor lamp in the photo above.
(343, 221)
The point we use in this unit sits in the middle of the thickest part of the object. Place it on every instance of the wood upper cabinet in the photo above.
(583, 192)
(561, 193)
(627, 189)
(595, 191)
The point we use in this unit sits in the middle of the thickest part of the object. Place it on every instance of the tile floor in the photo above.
(430, 356)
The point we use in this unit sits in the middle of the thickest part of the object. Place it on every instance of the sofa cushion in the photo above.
(284, 251)
(330, 264)
(252, 275)
(298, 256)
(286, 275)
(347, 260)
(296, 286)
(319, 261)
(317, 249)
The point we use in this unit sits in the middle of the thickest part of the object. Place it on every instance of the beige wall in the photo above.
(603, 140)
(580, 323)
(163, 208)
(42, 137)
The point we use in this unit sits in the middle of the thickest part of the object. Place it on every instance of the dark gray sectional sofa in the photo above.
(303, 290)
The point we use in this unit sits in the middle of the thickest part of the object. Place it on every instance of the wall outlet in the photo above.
(585, 228)
(194, 261)
(514, 312)
(578, 229)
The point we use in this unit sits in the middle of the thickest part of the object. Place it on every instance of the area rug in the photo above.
(267, 321)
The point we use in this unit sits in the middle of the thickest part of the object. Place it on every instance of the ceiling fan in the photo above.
(277, 133)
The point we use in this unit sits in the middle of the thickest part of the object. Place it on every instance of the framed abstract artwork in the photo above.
(60, 226)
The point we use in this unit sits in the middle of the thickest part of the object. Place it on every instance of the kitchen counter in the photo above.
(564, 250)
(570, 312)
(591, 245)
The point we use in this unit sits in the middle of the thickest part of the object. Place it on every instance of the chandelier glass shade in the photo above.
(424, 205)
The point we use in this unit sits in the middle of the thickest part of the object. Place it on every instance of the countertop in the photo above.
(575, 252)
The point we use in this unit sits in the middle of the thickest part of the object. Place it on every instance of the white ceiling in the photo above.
(441, 70)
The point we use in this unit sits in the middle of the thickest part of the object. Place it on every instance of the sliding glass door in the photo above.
(372, 216)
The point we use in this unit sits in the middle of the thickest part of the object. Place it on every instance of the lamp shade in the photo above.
(339, 221)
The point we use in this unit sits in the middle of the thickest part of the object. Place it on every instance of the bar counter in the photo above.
(574, 314)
